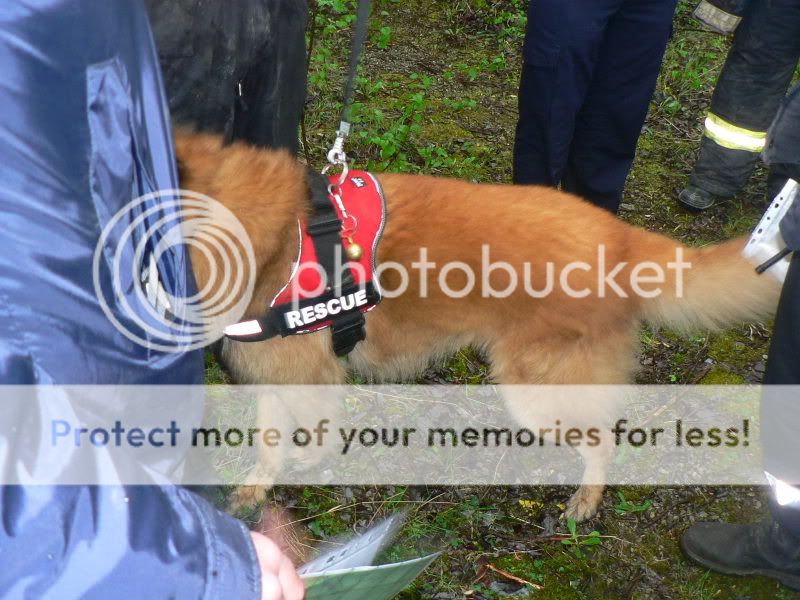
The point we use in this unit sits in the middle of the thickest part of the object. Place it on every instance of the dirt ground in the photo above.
(437, 94)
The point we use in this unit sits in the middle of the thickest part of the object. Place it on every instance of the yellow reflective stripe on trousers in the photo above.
(730, 136)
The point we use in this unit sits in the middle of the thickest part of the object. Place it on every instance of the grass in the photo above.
(436, 94)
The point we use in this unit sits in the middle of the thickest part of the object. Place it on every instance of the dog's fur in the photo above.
(551, 340)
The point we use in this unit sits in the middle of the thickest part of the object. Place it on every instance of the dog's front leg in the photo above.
(268, 460)
(290, 368)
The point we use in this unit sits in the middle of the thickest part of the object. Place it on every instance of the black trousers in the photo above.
(780, 412)
(754, 80)
(590, 68)
(235, 67)
(781, 418)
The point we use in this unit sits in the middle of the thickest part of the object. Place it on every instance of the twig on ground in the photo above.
(508, 575)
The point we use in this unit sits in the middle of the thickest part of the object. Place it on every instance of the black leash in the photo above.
(336, 155)
(347, 329)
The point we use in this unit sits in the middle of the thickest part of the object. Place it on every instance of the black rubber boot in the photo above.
(697, 199)
(761, 549)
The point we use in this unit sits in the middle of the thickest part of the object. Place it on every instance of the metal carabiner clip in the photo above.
(336, 155)
(342, 176)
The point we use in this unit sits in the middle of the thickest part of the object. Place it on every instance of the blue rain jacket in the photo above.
(84, 128)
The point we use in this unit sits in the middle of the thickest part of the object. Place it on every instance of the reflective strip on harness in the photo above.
(730, 136)
(244, 328)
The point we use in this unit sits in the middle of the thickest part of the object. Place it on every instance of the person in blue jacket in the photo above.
(590, 69)
(771, 548)
(84, 128)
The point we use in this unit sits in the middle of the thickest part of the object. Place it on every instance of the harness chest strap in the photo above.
(342, 303)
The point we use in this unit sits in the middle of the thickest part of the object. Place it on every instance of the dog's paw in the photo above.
(584, 503)
(254, 490)
(247, 497)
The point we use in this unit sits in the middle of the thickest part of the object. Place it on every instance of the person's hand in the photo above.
(279, 580)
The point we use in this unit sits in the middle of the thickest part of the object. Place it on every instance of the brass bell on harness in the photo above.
(354, 251)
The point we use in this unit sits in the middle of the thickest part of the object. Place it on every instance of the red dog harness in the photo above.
(333, 280)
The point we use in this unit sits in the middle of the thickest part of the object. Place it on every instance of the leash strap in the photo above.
(336, 155)
(359, 37)
(325, 227)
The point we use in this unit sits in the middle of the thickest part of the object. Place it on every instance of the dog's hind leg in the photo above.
(586, 500)
(575, 361)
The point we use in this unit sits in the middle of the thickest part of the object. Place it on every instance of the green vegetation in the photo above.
(626, 506)
(576, 541)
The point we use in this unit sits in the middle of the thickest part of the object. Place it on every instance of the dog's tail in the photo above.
(718, 287)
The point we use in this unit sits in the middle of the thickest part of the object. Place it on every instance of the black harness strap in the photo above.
(325, 228)
(347, 331)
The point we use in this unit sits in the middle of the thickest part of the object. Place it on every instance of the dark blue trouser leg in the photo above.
(783, 368)
(611, 118)
(561, 46)
(590, 67)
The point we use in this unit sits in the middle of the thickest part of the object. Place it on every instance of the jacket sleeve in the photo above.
(84, 130)
(782, 154)
(116, 542)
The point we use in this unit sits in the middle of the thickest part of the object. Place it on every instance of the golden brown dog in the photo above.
(555, 339)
